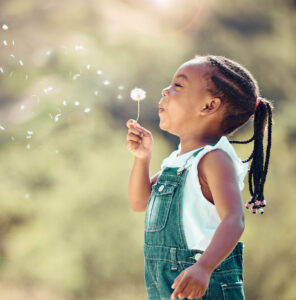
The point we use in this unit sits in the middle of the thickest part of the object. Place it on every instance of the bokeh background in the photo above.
(66, 71)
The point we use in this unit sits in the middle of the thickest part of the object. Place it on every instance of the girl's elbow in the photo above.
(138, 209)
(241, 223)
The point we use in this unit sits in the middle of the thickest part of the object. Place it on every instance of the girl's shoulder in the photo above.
(222, 158)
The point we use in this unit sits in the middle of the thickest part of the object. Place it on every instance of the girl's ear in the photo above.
(211, 106)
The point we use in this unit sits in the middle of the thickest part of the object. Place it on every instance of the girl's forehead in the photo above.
(193, 69)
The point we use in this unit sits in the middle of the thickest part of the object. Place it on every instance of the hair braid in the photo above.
(238, 91)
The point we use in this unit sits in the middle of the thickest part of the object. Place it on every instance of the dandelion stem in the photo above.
(138, 111)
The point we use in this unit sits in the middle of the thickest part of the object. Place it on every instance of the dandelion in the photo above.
(12, 138)
(1, 70)
(138, 94)
(76, 103)
(2, 128)
(5, 43)
(28, 146)
(27, 196)
(96, 93)
(87, 109)
(121, 87)
(88, 66)
(30, 132)
(106, 82)
(99, 72)
(64, 102)
(21, 62)
(5, 27)
(119, 97)
(22, 107)
(48, 53)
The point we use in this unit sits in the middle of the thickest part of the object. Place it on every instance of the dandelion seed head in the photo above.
(138, 94)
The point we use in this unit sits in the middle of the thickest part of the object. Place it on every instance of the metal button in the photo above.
(197, 256)
(160, 189)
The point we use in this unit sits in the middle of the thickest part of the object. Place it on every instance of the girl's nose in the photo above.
(165, 92)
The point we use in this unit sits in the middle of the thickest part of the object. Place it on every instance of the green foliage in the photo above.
(65, 222)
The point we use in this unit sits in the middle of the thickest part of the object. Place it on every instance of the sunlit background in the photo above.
(66, 72)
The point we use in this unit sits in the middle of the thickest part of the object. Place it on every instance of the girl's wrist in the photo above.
(205, 265)
(146, 159)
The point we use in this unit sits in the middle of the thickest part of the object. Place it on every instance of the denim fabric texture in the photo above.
(166, 253)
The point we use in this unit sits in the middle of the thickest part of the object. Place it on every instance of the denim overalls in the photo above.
(165, 249)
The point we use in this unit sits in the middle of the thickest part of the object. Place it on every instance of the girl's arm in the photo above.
(218, 170)
(139, 143)
(139, 186)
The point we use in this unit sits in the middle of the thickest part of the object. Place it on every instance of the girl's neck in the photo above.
(188, 144)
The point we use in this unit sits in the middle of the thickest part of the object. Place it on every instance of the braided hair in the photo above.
(238, 91)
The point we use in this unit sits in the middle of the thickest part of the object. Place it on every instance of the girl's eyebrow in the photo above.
(182, 76)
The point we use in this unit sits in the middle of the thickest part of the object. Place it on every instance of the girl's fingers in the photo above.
(177, 280)
(193, 295)
(181, 286)
(135, 131)
(133, 124)
(186, 291)
(133, 137)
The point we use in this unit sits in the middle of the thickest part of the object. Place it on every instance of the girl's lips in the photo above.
(160, 110)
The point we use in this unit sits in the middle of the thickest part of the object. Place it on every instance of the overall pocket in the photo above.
(233, 291)
(158, 206)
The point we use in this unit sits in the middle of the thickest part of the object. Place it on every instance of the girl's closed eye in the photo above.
(178, 84)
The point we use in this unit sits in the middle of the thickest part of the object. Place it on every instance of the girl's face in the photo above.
(184, 99)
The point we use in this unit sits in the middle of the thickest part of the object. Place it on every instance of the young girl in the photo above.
(194, 209)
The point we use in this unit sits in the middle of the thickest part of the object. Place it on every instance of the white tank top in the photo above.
(200, 217)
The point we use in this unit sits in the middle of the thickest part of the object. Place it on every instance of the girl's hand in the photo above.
(191, 283)
(139, 140)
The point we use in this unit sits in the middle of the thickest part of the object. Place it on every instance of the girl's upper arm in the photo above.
(154, 178)
(218, 169)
